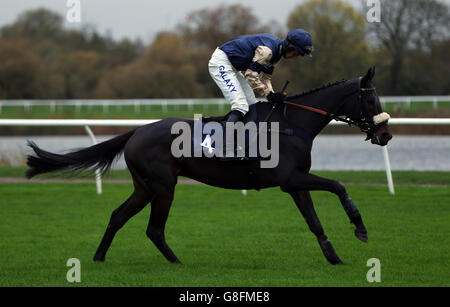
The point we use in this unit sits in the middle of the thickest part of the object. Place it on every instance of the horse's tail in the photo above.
(96, 157)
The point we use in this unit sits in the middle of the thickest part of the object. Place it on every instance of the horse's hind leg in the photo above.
(119, 217)
(158, 217)
(305, 205)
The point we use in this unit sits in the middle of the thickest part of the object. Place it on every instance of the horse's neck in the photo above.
(330, 100)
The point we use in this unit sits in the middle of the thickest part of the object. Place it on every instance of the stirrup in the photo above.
(233, 157)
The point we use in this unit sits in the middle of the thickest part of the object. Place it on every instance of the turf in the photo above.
(360, 177)
(157, 111)
(223, 238)
(113, 112)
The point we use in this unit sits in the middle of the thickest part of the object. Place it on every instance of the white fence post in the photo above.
(98, 177)
(435, 103)
(137, 107)
(387, 165)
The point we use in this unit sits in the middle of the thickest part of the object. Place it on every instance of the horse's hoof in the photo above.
(99, 258)
(361, 235)
(329, 252)
(339, 262)
(336, 261)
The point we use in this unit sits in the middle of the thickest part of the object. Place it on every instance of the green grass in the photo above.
(415, 107)
(360, 177)
(223, 238)
(399, 177)
(19, 172)
(113, 112)
(144, 112)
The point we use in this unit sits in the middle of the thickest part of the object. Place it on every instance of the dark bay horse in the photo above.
(155, 170)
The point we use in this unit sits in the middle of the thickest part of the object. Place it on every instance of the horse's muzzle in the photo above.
(382, 136)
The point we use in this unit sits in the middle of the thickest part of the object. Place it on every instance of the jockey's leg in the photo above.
(228, 79)
(248, 91)
(234, 116)
(234, 89)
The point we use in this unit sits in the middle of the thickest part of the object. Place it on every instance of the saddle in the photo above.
(214, 133)
(214, 129)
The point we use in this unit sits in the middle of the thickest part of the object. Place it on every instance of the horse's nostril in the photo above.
(387, 136)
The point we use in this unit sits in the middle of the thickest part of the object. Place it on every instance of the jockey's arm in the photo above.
(257, 75)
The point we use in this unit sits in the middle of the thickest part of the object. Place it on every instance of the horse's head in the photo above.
(370, 117)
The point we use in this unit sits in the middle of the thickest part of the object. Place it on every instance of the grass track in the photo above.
(360, 177)
(223, 238)
(157, 111)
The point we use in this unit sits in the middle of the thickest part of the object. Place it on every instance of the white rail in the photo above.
(116, 103)
(87, 123)
(140, 122)
(164, 103)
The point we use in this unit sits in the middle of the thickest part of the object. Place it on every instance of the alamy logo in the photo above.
(207, 140)
(374, 274)
(74, 12)
(374, 13)
(74, 273)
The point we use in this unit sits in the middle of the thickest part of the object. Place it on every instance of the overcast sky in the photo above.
(143, 18)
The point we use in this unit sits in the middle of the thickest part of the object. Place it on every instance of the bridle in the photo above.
(365, 124)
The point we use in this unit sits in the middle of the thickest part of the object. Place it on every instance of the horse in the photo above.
(154, 170)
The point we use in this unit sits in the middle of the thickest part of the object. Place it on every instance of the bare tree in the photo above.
(406, 25)
(212, 27)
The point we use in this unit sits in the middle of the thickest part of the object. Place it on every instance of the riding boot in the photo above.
(229, 153)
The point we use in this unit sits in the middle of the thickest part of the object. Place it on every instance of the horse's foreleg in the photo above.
(355, 218)
(158, 217)
(119, 217)
(305, 205)
(310, 182)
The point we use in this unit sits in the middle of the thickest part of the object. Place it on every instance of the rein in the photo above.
(366, 125)
(363, 125)
(321, 112)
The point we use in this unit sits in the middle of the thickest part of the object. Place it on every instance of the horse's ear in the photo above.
(368, 77)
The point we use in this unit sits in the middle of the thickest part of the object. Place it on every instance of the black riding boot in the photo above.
(228, 151)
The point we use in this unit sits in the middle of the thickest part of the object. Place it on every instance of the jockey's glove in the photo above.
(277, 97)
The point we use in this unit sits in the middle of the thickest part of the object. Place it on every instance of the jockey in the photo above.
(243, 66)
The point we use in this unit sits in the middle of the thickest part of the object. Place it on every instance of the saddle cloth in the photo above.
(212, 138)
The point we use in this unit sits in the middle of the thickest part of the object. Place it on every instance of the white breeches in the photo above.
(231, 82)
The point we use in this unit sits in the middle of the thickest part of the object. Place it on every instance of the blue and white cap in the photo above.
(301, 41)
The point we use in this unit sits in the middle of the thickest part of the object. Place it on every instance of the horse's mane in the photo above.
(318, 89)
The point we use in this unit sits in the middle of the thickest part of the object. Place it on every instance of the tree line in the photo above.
(40, 59)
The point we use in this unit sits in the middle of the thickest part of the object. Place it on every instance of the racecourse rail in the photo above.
(87, 123)
(164, 103)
